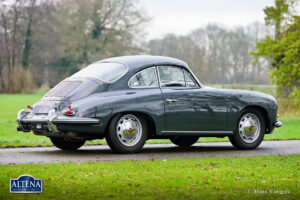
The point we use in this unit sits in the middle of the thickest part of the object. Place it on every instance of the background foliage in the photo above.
(283, 49)
(48, 40)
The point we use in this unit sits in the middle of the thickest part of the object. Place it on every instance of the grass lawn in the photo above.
(10, 104)
(196, 178)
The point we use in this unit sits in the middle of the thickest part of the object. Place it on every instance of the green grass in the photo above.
(10, 104)
(196, 178)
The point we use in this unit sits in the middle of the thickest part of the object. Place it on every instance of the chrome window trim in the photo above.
(158, 77)
(127, 69)
(185, 71)
(137, 87)
(183, 76)
(195, 78)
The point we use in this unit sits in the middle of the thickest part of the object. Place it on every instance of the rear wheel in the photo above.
(250, 130)
(67, 143)
(184, 141)
(127, 133)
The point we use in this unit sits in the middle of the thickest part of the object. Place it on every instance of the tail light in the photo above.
(69, 112)
(28, 111)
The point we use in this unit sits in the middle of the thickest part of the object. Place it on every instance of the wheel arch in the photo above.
(264, 112)
(150, 121)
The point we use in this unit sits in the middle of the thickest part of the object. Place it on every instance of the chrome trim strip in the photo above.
(53, 119)
(34, 120)
(199, 132)
(75, 120)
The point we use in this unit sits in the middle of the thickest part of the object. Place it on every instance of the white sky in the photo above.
(182, 16)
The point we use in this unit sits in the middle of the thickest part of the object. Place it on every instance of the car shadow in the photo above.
(149, 150)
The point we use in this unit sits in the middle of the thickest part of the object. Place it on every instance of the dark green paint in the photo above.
(199, 111)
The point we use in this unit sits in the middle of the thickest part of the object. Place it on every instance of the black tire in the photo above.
(67, 143)
(112, 137)
(236, 139)
(184, 141)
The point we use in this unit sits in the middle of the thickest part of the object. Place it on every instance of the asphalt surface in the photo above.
(34, 155)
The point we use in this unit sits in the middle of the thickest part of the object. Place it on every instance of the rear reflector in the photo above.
(69, 112)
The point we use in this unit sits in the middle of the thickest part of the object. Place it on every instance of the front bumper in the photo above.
(27, 122)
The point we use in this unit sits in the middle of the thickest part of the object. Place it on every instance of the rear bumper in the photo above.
(278, 124)
(49, 122)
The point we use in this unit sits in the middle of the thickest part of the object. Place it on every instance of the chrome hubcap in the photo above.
(249, 127)
(129, 130)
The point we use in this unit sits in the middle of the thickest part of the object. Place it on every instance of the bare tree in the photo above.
(58, 37)
(217, 54)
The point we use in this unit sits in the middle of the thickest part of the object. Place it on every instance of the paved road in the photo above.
(150, 151)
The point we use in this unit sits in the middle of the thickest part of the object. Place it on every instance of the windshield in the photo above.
(107, 72)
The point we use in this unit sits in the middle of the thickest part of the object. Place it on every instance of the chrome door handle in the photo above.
(171, 100)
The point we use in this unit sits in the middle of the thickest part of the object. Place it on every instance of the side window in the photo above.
(145, 78)
(171, 76)
(189, 81)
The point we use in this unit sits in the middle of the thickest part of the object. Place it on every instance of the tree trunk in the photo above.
(27, 45)
(4, 24)
(16, 18)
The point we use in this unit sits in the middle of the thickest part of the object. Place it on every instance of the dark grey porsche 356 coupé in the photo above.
(130, 99)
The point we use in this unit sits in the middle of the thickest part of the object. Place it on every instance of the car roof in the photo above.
(138, 62)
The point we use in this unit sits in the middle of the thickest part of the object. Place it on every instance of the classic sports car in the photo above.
(130, 99)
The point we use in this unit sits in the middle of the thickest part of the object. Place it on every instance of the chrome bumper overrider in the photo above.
(52, 120)
(278, 124)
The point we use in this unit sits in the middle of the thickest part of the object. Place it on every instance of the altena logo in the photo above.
(26, 184)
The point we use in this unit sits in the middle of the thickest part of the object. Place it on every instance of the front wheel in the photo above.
(127, 133)
(250, 130)
(67, 143)
(184, 141)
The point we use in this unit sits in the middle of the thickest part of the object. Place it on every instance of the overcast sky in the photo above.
(182, 16)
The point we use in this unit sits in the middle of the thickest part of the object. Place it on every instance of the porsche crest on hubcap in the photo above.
(129, 130)
(249, 127)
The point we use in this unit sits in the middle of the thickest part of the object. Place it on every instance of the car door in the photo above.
(188, 107)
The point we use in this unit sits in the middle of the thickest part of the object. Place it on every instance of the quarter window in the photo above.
(145, 78)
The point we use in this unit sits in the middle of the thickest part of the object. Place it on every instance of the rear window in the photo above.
(63, 89)
(107, 72)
